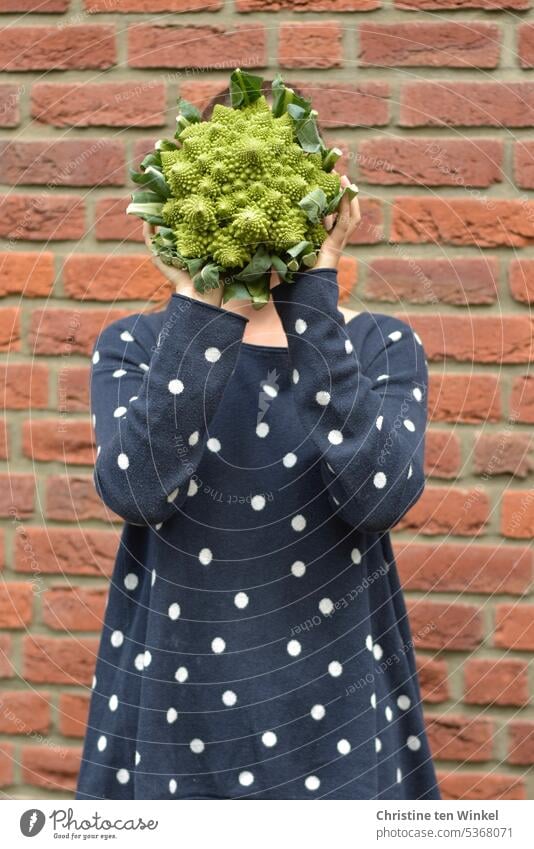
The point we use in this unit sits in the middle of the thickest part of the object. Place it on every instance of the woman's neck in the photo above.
(264, 326)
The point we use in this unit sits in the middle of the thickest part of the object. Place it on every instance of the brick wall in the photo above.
(433, 102)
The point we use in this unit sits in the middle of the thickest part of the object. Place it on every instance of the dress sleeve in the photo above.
(152, 401)
(361, 393)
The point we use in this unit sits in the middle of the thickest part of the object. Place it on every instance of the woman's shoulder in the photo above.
(372, 332)
(138, 330)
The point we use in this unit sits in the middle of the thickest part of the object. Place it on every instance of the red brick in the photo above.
(348, 105)
(433, 680)
(172, 46)
(7, 669)
(496, 682)
(431, 162)
(448, 280)
(521, 745)
(73, 710)
(83, 47)
(24, 712)
(59, 660)
(522, 399)
(505, 452)
(51, 767)
(444, 510)
(63, 163)
(200, 92)
(307, 5)
(28, 274)
(65, 332)
(524, 164)
(42, 217)
(73, 389)
(16, 495)
(514, 627)
(4, 440)
(112, 223)
(454, 737)
(9, 329)
(347, 277)
(517, 519)
(462, 568)
(443, 457)
(66, 551)
(74, 499)
(371, 229)
(489, 5)
(113, 104)
(7, 762)
(467, 104)
(16, 603)
(74, 608)
(525, 45)
(481, 339)
(317, 44)
(439, 44)
(458, 786)
(466, 398)
(101, 277)
(521, 280)
(68, 441)
(39, 6)
(10, 104)
(23, 385)
(443, 625)
(125, 6)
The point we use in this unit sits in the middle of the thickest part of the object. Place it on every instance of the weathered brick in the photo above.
(23, 385)
(307, 5)
(101, 277)
(40, 48)
(24, 712)
(4, 440)
(521, 280)
(16, 604)
(312, 45)
(59, 660)
(525, 45)
(9, 329)
(74, 608)
(502, 453)
(435, 5)
(16, 495)
(65, 332)
(112, 223)
(522, 399)
(10, 104)
(420, 280)
(40, 6)
(7, 669)
(7, 763)
(456, 737)
(446, 44)
(347, 277)
(514, 626)
(445, 625)
(74, 499)
(65, 551)
(114, 104)
(63, 163)
(440, 510)
(172, 46)
(73, 710)
(521, 743)
(40, 218)
(433, 679)
(524, 164)
(459, 786)
(26, 273)
(517, 519)
(53, 768)
(68, 441)
(466, 398)
(467, 104)
(496, 682)
(349, 105)
(73, 389)
(481, 339)
(125, 6)
(442, 454)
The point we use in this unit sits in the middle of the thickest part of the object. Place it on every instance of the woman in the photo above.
(256, 644)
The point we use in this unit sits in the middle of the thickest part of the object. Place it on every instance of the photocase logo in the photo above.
(268, 391)
(32, 822)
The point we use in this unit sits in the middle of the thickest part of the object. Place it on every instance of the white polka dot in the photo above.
(139, 662)
(196, 746)
(96, 357)
(323, 398)
(246, 778)
(144, 366)
(133, 398)
(349, 347)
(119, 372)
(176, 386)
(335, 437)
(356, 556)
(120, 411)
(137, 758)
(126, 336)
(377, 651)
(409, 425)
(335, 668)
(102, 743)
(410, 472)
(380, 480)
(417, 338)
(193, 439)
(218, 645)
(373, 700)
(298, 569)
(181, 674)
(172, 715)
(379, 422)
(257, 502)
(417, 394)
(399, 776)
(395, 336)
(173, 785)
(123, 776)
(295, 376)
(192, 489)
(298, 522)
(131, 581)
(98, 450)
(330, 469)
(262, 430)
(369, 642)
(294, 648)
(269, 739)
(158, 526)
(123, 462)
(289, 460)
(205, 556)
(404, 702)
(389, 713)
(147, 658)
(117, 639)
(383, 377)
(269, 390)
(174, 611)
(213, 444)
(343, 747)
(229, 698)
(241, 600)
(212, 355)
(317, 712)
(93, 420)
(312, 783)
(93, 682)
(172, 495)
(326, 606)
(113, 702)
(413, 743)
(378, 744)
(153, 577)
(300, 326)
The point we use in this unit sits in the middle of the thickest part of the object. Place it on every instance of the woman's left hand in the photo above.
(347, 219)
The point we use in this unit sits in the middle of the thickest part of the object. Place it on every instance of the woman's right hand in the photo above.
(180, 278)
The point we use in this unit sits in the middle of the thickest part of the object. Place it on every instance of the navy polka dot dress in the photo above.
(255, 643)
